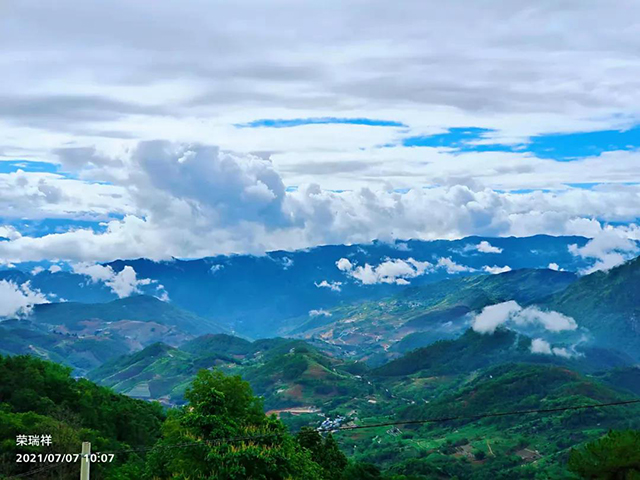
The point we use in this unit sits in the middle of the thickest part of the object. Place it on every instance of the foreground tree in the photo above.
(224, 434)
(616, 456)
(324, 451)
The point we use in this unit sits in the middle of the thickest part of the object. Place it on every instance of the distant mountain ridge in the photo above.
(608, 304)
(86, 335)
(257, 296)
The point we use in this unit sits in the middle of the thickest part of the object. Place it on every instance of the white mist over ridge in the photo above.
(18, 300)
(163, 200)
(510, 313)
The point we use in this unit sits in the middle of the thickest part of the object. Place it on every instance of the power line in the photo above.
(383, 424)
(37, 470)
(350, 428)
(485, 415)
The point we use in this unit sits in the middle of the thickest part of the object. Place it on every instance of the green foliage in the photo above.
(324, 451)
(612, 457)
(467, 353)
(608, 304)
(39, 397)
(228, 437)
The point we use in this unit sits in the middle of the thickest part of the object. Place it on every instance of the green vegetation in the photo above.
(608, 304)
(136, 308)
(615, 456)
(288, 373)
(350, 371)
(377, 330)
(85, 336)
(39, 397)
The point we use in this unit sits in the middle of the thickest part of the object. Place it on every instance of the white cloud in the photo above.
(390, 271)
(320, 312)
(123, 283)
(452, 267)
(494, 316)
(55, 268)
(287, 263)
(486, 247)
(37, 270)
(102, 93)
(333, 286)
(215, 268)
(496, 270)
(9, 232)
(176, 200)
(344, 265)
(609, 248)
(555, 266)
(18, 300)
(550, 320)
(540, 346)
(562, 352)
(505, 313)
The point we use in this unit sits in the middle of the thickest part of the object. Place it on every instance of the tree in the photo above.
(612, 457)
(324, 451)
(223, 434)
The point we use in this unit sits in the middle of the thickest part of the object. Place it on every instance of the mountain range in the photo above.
(367, 334)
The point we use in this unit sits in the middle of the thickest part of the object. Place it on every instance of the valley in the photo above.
(471, 344)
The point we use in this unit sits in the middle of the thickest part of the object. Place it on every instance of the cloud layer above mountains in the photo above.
(510, 313)
(164, 199)
(292, 124)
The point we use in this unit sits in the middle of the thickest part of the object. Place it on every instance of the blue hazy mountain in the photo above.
(255, 295)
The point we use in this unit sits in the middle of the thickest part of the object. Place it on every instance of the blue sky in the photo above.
(296, 122)
(560, 147)
(555, 146)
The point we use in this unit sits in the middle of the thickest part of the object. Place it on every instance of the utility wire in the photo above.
(349, 428)
(485, 415)
(37, 470)
(383, 424)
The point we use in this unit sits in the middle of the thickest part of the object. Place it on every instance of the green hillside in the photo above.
(473, 351)
(84, 336)
(287, 373)
(608, 304)
(519, 446)
(140, 308)
(435, 311)
(39, 397)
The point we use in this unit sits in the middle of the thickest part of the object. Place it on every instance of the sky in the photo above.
(185, 129)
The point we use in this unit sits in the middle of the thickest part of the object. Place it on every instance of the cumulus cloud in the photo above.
(55, 268)
(506, 313)
(123, 283)
(452, 267)
(344, 265)
(486, 247)
(390, 271)
(9, 232)
(555, 266)
(188, 200)
(541, 346)
(18, 300)
(609, 248)
(496, 270)
(319, 313)
(538, 345)
(333, 286)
